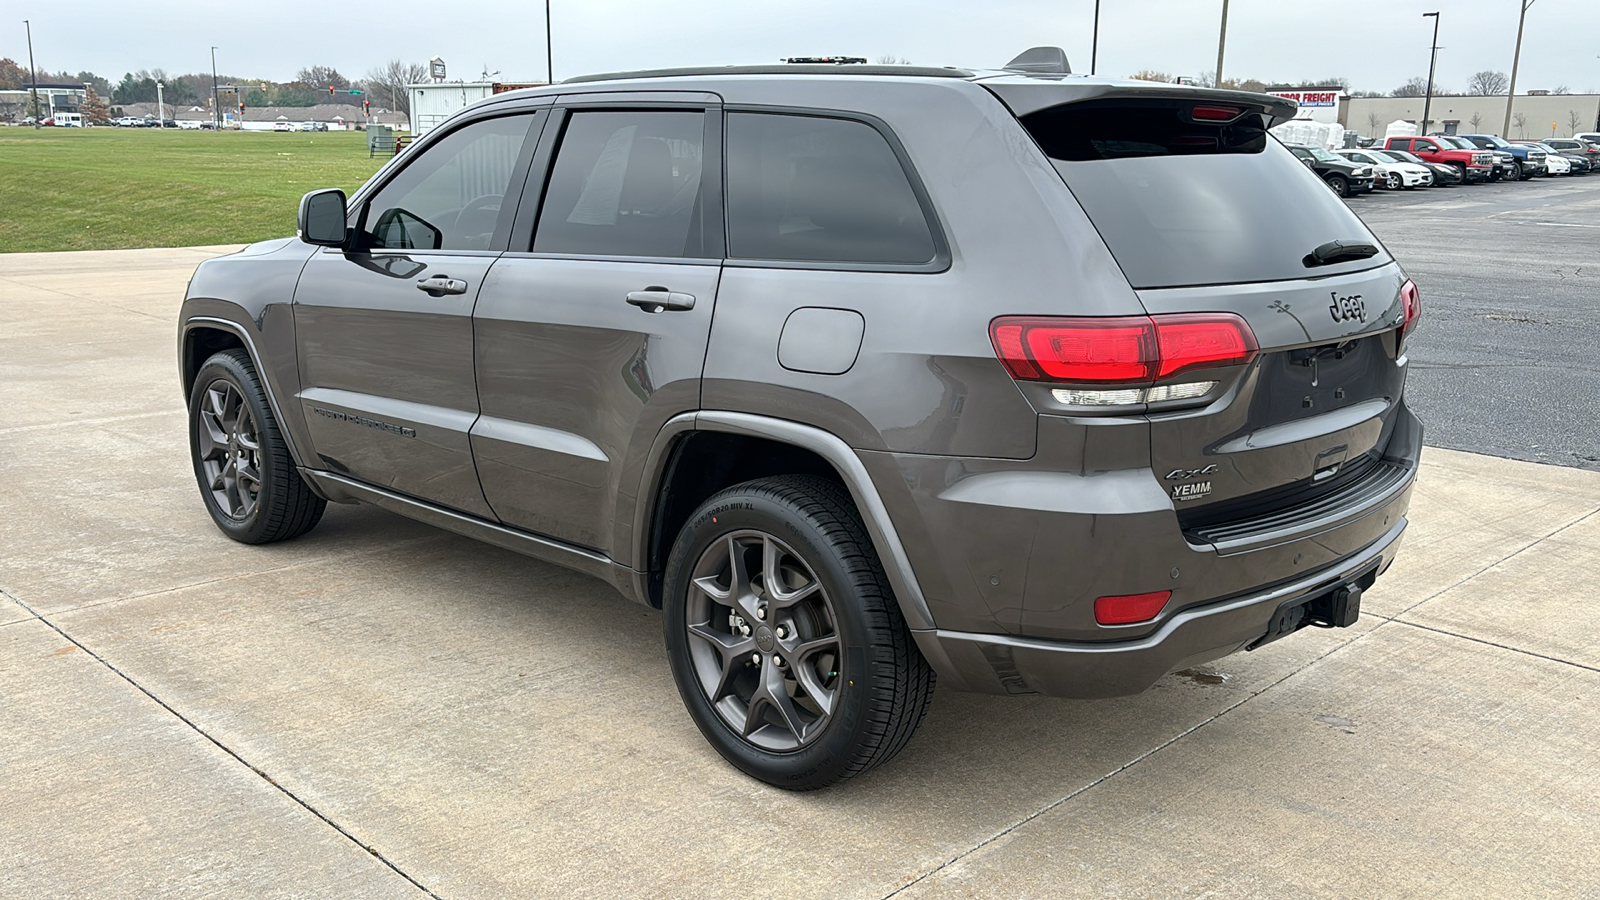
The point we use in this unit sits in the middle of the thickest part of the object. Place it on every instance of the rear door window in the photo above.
(625, 183)
(1181, 201)
(818, 189)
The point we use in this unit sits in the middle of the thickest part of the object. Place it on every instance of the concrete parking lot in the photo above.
(384, 709)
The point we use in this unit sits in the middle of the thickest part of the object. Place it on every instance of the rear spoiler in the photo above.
(1023, 95)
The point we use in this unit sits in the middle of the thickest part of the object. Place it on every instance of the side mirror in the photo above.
(322, 218)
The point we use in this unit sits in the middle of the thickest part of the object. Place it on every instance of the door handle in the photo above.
(656, 299)
(439, 285)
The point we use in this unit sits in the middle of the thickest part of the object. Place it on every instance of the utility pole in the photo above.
(161, 115)
(33, 76)
(1222, 42)
(1427, 101)
(1516, 59)
(1094, 51)
(216, 111)
(549, 62)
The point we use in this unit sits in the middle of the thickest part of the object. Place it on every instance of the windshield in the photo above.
(1386, 156)
(1458, 143)
(1181, 202)
(1496, 141)
(1404, 156)
(1326, 155)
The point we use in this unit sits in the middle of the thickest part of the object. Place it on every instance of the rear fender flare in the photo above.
(832, 449)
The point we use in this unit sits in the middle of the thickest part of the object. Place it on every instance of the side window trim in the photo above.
(941, 246)
(537, 119)
(526, 223)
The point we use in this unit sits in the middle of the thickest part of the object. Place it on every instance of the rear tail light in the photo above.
(1410, 308)
(1216, 113)
(1129, 609)
(1132, 352)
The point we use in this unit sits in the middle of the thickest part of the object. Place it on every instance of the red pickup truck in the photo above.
(1474, 165)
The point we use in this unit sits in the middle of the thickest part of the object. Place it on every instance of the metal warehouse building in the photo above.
(1567, 114)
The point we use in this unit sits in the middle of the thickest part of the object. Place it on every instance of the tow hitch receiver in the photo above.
(1338, 607)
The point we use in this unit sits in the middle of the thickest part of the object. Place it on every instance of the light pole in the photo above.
(1516, 59)
(1427, 100)
(1222, 42)
(216, 111)
(161, 115)
(33, 75)
(549, 63)
(1094, 48)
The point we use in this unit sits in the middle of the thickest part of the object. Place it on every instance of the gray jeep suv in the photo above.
(1034, 382)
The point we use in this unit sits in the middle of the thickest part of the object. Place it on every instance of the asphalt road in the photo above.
(1507, 360)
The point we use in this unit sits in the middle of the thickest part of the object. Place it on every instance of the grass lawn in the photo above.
(115, 188)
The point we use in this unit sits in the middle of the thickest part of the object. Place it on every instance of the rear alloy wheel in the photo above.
(1340, 184)
(785, 641)
(241, 462)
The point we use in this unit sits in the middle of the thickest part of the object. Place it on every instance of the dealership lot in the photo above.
(383, 709)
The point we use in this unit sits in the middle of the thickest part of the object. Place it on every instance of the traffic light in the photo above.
(330, 90)
(241, 107)
(366, 107)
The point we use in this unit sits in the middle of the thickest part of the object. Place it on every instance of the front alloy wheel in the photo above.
(229, 449)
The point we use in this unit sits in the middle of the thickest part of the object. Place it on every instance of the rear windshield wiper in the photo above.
(1337, 252)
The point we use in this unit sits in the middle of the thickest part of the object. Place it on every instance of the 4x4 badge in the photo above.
(1181, 474)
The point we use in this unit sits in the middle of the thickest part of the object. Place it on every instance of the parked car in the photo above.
(1505, 164)
(1561, 163)
(1393, 174)
(282, 126)
(1032, 471)
(1443, 175)
(1343, 176)
(1474, 165)
(128, 122)
(1576, 147)
(311, 126)
(1530, 161)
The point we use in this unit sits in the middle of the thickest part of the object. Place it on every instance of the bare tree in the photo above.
(1521, 121)
(1152, 75)
(387, 84)
(1574, 121)
(1487, 83)
(1372, 123)
(1560, 90)
(1416, 87)
(889, 59)
(1477, 122)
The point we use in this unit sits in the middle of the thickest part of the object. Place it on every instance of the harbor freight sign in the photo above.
(1316, 104)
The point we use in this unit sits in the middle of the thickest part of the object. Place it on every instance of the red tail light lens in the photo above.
(1130, 608)
(1121, 350)
(1215, 113)
(1411, 306)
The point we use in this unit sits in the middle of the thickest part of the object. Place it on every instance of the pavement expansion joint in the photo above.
(1130, 763)
(1478, 640)
(193, 726)
(1508, 557)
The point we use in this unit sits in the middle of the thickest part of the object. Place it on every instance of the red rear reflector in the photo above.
(1120, 350)
(1130, 608)
(1215, 113)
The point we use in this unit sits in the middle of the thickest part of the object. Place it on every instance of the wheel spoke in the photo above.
(733, 650)
(783, 599)
(772, 695)
(246, 472)
(804, 650)
(713, 590)
(821, 696)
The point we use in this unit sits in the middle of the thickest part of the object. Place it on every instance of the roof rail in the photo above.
(826, 60)
(1042, 61)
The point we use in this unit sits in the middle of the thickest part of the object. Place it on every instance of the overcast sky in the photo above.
(1376, 45)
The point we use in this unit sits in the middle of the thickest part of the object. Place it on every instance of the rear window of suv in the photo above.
(1182, 202)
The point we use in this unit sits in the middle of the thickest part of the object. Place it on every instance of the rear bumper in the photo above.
(1002, 664)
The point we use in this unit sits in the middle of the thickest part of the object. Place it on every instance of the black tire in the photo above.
(273, 505)
(1461, 169)
(1339, 183)
(1516, 172)
(880, 685)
